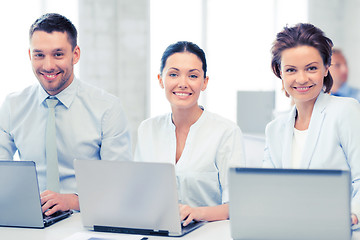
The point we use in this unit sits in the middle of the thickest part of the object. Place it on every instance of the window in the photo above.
(170, 21)
(236, 36)
(15, 20)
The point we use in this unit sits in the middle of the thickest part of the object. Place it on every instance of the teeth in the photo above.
(182, 94)
(302, 88)
(50, 76)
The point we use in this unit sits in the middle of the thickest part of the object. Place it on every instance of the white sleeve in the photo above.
(230, 154)
(7, 145)
(138, 155)
(116, 139)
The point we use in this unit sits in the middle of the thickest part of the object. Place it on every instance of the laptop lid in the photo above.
(20, 204)
(289, 204)
(128, 197)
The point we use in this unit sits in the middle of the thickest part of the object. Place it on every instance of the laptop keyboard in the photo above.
(55, 217)
(56, 214)
(191, 225)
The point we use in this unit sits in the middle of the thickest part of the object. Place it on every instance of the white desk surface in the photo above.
(72, 226)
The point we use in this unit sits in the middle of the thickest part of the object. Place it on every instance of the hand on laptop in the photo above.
(354, 219)
(53, 202)
(188, 214)
(215, 213)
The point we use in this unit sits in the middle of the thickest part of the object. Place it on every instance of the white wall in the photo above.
(114, 42)
(340, 20)
(16, 18)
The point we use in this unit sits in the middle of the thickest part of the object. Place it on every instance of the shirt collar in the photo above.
(319, 106)
(66, 96)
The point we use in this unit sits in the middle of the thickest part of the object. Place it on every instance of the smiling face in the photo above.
(183, 80)
(53, 60)
(302, 73)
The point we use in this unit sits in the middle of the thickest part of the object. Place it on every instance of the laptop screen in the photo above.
(289, 203)
(130, 195)
(19, 195)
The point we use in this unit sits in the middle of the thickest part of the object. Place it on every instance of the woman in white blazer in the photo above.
(321, 131)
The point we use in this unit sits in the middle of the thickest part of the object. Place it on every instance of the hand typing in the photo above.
(354, 219)
(189, 214)
(52, 202)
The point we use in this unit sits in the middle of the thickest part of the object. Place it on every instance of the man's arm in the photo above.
(116, 140)
(7, 145)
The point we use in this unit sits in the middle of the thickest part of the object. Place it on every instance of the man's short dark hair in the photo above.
(54, 22)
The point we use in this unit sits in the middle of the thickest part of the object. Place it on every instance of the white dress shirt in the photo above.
(212, 145)
(90, 124)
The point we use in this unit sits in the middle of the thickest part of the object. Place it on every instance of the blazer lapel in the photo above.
(288, 138)
(316, 122)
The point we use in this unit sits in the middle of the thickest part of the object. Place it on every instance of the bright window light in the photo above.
(15, 20)
(237, 39)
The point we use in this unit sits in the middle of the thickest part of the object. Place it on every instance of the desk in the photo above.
(215, 230)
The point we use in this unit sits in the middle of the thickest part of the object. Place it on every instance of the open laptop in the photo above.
(289, 204)
(129, 197)
(20, 204)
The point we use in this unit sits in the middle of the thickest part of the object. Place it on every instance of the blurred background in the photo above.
(122, 41)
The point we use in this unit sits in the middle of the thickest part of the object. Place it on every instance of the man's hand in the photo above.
(354, 219)
(52, 202)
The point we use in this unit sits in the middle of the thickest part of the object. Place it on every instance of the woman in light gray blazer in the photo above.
(321, 131)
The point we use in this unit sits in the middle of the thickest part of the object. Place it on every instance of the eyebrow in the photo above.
(174, 68)
(191, 70)
(311, 63)
(305, 65)
(56, 50)
(289, 66)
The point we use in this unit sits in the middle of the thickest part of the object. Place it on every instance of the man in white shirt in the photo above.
(89, 123)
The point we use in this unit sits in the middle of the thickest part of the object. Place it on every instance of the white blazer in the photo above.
(333, 140)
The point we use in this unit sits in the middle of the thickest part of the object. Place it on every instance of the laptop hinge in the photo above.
(131, 230)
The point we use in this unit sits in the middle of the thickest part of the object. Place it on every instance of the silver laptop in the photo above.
(20, 204)
(129, 197)
(289, 204)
